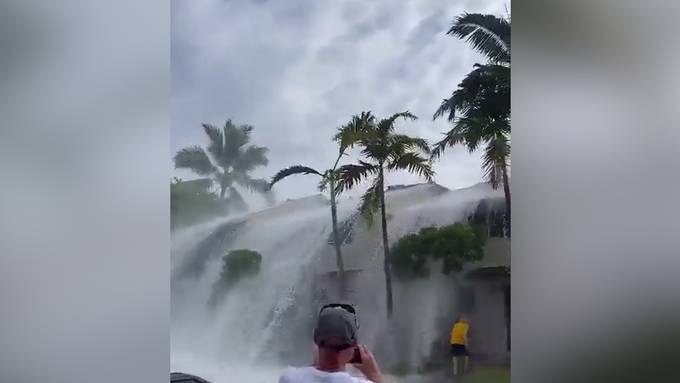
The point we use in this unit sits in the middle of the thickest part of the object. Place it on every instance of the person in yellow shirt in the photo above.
(459, 340)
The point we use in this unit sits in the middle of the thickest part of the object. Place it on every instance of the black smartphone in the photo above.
(356, 358)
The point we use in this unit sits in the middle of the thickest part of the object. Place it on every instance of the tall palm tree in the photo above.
(227, 162)
(382, 150)
(480, 106)
(329, 179)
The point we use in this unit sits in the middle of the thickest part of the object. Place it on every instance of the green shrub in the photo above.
(236, 265)
(409, 257)
(453, 244)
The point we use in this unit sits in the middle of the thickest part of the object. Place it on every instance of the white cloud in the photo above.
(298, 69)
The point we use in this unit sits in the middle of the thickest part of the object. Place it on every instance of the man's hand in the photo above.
(368, 365)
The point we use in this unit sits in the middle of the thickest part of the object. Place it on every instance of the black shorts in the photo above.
(458, 350)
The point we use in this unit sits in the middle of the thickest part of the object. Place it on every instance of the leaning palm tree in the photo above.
(329, 179)
(227, 162)
(382, 150)
(480, 106)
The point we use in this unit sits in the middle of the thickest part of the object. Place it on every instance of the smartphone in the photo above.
(356, 358)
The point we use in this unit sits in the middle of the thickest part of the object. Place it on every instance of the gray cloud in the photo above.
(296, 70)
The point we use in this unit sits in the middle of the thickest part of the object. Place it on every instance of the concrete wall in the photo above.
(484, 300)
(424, 310)
(486, 309)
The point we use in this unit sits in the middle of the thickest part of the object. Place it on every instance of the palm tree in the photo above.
(228, 160)
(382, 150)
(328, 181)
(480, 106)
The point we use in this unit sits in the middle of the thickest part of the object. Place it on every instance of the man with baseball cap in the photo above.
(335, 338)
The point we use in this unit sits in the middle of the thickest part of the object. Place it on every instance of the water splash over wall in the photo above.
(267, 320)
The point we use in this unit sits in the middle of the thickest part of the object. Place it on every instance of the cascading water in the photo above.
(264, 322)
(237, 334)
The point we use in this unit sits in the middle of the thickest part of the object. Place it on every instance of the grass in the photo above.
(478, 374)
(488, 374)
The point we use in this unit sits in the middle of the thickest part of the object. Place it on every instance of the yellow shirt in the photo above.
(459, 333)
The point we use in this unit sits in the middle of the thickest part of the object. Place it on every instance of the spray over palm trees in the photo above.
(480, 106)
(382, 150)
(329, 180)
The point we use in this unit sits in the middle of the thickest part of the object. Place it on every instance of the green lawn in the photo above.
(488, 375)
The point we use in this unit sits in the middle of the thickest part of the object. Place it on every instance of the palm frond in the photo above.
(259, 185)
(370, 201)
(195, 159)
(289, 171)
(227, 158)
(453, 137)
(386, 125)
(323, 184)
(351, 133)
(495, 158)
(485, 91)
(488, 34)
(413, 163)
(235, 136)
(350, 175)
(250, 158)
(438, 149)
(492, 172)
(227, 147)
(472, 130)
(235, 139)
(447, 106)
(404, 143)
(216, 146)
(376, 148)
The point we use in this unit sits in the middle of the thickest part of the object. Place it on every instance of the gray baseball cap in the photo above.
(336, 327)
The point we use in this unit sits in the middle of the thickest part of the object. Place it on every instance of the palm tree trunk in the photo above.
(506, 189)
(386, 249)
(336, 242)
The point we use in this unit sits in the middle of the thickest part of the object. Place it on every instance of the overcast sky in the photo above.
(296, 70)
